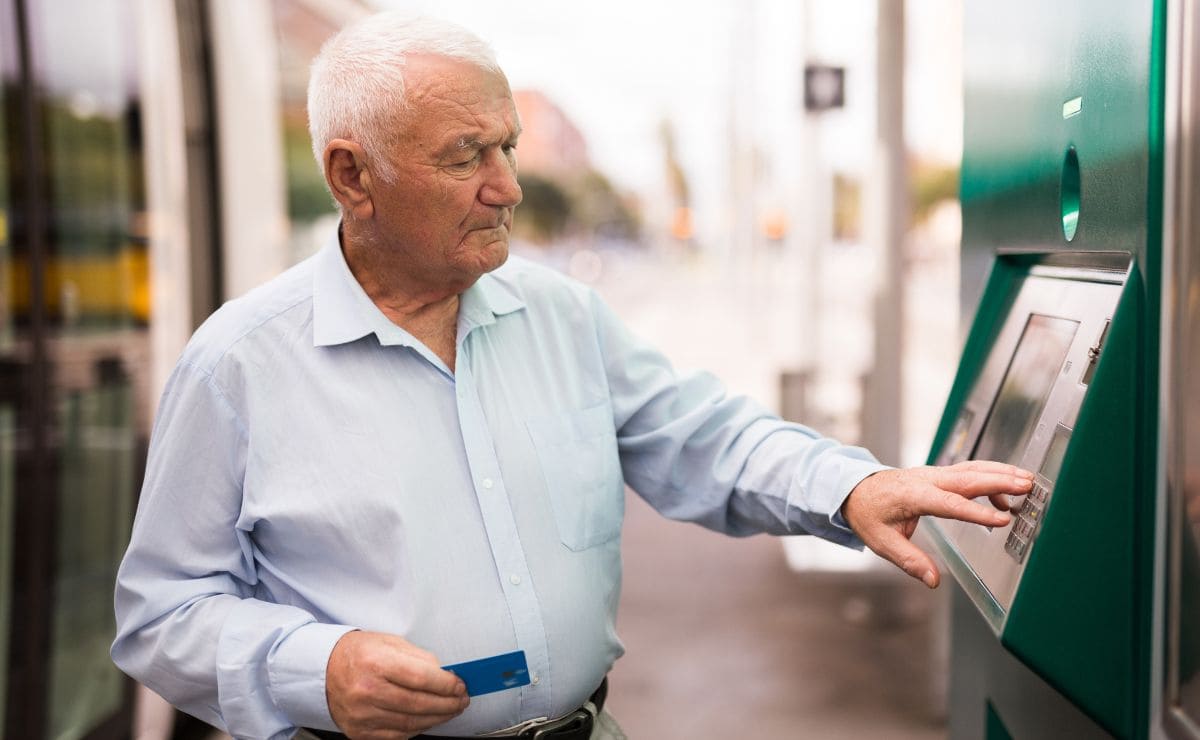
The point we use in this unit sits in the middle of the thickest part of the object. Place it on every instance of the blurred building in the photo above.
(551, 144)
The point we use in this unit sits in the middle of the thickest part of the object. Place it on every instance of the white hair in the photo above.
(356, 88)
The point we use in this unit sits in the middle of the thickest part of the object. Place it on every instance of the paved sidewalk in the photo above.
(724, 642)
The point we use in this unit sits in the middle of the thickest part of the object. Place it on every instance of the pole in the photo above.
(882, 403)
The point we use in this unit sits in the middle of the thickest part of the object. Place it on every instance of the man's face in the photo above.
(448, 213)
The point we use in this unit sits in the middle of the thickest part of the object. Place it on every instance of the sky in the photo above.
(710, 67)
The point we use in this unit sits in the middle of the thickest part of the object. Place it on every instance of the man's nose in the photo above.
(500, 186)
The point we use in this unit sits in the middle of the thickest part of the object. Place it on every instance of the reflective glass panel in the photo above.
(1182, 629)
(1187, 603)
(96, 306)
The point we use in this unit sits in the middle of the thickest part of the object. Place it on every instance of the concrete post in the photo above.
(886, 228)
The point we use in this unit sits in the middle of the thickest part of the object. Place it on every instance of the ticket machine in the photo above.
(1071, 141)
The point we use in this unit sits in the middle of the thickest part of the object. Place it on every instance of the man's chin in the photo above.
(485, 256)
(497, 259)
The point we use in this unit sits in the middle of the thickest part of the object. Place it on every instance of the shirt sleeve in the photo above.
(188, 625)
(695, 453)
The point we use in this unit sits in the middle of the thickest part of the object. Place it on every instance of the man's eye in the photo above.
(464, 165)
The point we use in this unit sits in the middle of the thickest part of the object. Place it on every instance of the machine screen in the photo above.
(1035, 364)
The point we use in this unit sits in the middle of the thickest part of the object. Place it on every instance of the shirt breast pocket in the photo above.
(578, 454)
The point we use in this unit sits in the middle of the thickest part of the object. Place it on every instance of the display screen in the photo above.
(1035, 364)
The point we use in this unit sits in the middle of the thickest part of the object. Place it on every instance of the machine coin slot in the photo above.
(1052, 463)
(1093, 354)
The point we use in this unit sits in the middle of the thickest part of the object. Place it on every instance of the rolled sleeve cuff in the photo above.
(840, 473)
(297, 674)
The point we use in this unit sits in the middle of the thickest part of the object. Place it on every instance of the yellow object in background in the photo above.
(82, 287)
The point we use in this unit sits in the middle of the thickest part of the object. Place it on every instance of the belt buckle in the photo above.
(577, 720)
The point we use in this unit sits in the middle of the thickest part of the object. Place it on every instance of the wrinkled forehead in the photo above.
(453, 99)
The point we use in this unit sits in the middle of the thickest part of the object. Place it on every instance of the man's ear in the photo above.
(348, 179)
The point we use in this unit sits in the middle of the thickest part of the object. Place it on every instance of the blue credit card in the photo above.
(497, 673)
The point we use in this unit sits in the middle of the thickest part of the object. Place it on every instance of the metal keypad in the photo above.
(1025, 528)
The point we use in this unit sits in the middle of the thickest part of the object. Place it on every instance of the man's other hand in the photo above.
(382, 687)
(883, 510)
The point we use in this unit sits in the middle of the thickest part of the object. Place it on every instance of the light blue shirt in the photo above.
(314, 469)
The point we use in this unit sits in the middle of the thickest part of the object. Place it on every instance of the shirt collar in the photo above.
(342, 311)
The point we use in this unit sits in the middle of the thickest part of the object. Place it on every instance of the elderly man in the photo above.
(409, 447)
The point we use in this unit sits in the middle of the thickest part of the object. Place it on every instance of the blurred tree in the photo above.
(932, 183)
(544, 211)
(599, 210)
(586, 206)
(676, 178)
(847, 207)
(307, 197)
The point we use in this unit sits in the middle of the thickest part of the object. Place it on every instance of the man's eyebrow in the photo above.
(455, 144)
(466, 142)
(474, 142)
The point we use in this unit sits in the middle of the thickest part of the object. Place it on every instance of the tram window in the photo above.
(96, 307)
(1035, 364)
(301, 31)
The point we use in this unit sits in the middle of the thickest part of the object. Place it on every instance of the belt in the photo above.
(576, 725)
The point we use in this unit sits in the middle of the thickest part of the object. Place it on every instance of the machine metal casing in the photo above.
(1045, 84)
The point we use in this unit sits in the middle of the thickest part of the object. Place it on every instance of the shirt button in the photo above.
(514, 580)
(487, 483)
(535, 680)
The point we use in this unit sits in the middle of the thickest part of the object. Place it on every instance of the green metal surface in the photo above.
(995, 729)
(1073, 619)
(1023, 60)
(989, 677)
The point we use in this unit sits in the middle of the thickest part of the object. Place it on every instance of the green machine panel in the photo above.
(1061, 262)
(1055, 394)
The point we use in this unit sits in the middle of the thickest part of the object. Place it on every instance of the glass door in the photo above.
(96, 304)
(74, 364)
